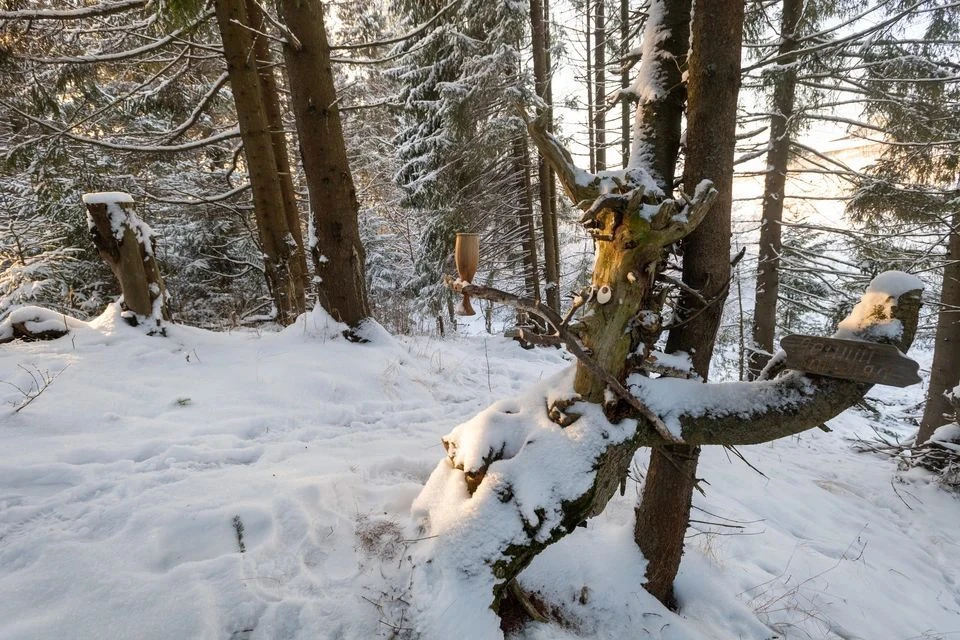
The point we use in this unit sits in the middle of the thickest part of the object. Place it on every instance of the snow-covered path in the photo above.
(120, 484)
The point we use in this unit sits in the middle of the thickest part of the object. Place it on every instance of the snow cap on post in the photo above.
(873, 317)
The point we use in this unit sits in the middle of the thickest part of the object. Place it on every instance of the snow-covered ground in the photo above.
(123, 484)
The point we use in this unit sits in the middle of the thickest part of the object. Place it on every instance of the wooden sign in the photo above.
(851, 360)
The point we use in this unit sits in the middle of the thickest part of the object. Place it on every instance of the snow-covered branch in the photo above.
(92, 11)
(515, 479)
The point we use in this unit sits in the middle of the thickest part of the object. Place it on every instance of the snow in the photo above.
(35, 320)
(648, 84)
(872, 316)
(107, 197)
(466, 534)
(947, 435)
(121, 217)
(119, 486)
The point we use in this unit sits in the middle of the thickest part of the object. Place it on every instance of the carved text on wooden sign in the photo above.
(851, 360)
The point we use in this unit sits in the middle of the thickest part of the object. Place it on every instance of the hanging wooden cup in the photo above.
(467, 256)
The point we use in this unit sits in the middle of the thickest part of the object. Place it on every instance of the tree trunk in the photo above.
(337, 252)
(551, 262)
(463, 556)
(276, 240)
(126, 244)
(278, 134)
(657, 127)
(599, 84)
(588, 75)
(521, 163)
(945, 372)
(552, 183)
(771, 246)
(713, 85)
(624, 82)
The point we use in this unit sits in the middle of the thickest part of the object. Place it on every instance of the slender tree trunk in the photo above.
(591, 134)
(945, 372)
(268, 197)
(552, 182)
(337, 252)
(521, 159)
(657, 127)
(771, 246)
(599, 83)
(551, 262)
(271, 104)
(713, 84)
(625, 82)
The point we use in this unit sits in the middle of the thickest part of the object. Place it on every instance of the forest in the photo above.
(527, 319)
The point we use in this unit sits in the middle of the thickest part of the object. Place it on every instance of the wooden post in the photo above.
(126, 244)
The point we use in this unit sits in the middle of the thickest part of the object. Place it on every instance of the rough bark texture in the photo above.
(713, 83)
(521, 163)
(131, 260)
(276, 239)
(771, 246)
(945, 372)
(271, 104)
(588, 77)
(599, 84)
(551, 260)
(337, 252)
(624, 82)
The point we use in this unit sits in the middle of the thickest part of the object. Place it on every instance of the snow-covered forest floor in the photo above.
(129, 485)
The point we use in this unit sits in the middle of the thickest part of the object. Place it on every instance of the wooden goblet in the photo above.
(467, 256)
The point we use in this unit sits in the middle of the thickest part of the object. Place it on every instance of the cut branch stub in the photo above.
(126, 244)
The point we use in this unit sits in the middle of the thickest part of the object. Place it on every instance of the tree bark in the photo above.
(657, 128)
(624, 82)
(771, 245)
(599, 84)
(663, 515)
(588, 75)
(276, 240)
(338, 255)
(945, 372)
(531, 274)
(127, 246)
(271, 104)
(551, 261)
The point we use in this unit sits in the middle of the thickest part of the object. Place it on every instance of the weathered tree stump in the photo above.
(126, 244)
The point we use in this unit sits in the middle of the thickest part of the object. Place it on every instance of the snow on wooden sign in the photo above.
(850, 359)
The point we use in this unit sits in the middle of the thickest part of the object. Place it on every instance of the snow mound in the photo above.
(465, 535)
(37, 321)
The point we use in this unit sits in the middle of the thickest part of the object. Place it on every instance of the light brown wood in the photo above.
(467, 257)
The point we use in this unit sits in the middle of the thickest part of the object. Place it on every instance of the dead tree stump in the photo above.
(126, 244)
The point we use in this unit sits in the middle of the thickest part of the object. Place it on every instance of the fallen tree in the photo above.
(526, 472)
